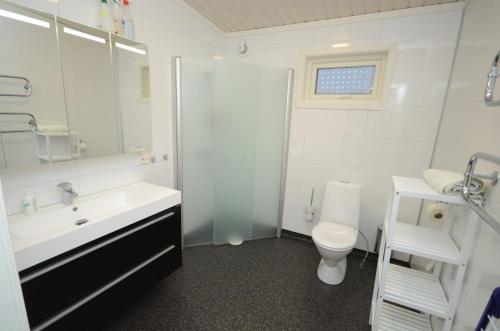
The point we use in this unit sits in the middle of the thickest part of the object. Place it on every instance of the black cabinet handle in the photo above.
(103, 288)
(91, 249)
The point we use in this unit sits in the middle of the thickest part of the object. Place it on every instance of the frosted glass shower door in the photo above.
(249, 126)
(231, 123)
(196, 140)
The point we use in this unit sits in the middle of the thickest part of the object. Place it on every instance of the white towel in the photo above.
(51, 128)
(451, 183)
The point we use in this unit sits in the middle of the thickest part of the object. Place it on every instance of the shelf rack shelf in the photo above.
(404, 298)
(394, 318)
(425, 242)
(416, 289)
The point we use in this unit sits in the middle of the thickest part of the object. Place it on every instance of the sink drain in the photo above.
(82, 221)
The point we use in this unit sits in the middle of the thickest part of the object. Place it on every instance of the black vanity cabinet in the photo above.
(91, 282)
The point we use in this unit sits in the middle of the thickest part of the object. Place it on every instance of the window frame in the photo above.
(382, 56)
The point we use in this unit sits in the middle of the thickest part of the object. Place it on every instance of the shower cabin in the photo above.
(231, 140)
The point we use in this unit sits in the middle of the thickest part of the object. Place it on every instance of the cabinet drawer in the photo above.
(73, 276)
(111, 303)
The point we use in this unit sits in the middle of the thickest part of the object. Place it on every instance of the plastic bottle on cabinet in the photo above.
(127, 21)
(117, 17)
(104, 19)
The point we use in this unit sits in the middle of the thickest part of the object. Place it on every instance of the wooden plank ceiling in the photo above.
(239, 15)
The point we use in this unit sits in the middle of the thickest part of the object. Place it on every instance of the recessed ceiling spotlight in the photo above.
(340, 45)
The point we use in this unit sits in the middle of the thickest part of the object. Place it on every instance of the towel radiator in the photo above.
(490, 85)
(27, 86)
(32, 122)
(469, 174)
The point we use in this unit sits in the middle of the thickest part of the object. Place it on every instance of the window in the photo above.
(351, 78)
(345, 80)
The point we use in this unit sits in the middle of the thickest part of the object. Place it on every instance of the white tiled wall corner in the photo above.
(468, 126)
(356, 145)
(169, 29)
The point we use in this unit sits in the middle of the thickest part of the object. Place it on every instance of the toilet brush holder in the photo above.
(310, 211)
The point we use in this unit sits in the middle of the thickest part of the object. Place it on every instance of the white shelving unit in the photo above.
(57, 146)
(404, 298)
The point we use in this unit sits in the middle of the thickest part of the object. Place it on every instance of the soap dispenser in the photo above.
(28, 204)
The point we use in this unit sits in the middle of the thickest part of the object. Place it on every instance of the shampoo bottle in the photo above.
(127, 21)
(28, 204)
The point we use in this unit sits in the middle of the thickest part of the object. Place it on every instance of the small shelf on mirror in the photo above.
(57, 146)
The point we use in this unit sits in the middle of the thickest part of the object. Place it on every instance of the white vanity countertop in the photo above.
(52, 231)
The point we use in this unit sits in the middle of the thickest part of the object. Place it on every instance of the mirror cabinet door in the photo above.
(69, 91)
(33, 121)
(88, 83)
(132, 86)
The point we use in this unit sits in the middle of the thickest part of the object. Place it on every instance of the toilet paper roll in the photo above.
(436, 211)
(83, 146)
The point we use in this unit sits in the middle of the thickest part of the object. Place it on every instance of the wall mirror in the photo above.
(69, 91)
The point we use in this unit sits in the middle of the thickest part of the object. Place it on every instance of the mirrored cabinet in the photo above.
(69, 91)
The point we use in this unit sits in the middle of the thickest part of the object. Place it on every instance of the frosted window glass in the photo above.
(345, 80)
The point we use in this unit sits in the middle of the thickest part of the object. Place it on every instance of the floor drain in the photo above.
(82, 221)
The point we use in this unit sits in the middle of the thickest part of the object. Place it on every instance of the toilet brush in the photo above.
(362, 264)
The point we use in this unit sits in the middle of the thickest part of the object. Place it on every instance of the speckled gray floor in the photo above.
(267, 284)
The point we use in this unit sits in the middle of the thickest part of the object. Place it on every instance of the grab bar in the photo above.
(469, 174)
(31, 122)
(490, 85)
(27, 86)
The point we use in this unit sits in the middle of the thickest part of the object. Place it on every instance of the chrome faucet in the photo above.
(69, 195)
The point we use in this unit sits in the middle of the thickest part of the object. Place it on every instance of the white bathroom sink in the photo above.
(56, 229)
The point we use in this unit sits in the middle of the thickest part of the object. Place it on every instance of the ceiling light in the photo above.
(131, 49)
(340, 45)
(84, 35)
(25, 19)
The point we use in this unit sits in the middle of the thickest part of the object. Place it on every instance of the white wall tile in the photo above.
(448, 20)
(47, 6)
(343, 150)
(287, 39)
(348, 32)
(84, 12)
(343, 122)
(419, 88)
(161, 108)
(413, 123)
(400, 155)
(408, 25)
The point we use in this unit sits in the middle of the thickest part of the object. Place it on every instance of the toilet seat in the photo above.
(334, 236)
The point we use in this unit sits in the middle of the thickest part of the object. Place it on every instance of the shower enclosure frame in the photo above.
(177, 137)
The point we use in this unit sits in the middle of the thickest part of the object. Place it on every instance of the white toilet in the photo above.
(336, 233)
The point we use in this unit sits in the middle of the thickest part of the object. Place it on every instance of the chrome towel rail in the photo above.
(490, 85)
(27, 86)
(469, 174)
(32, 122)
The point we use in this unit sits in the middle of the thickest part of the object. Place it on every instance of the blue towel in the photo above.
(492, 309)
